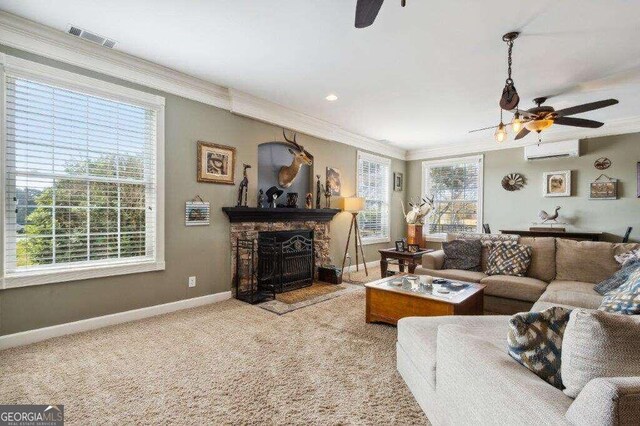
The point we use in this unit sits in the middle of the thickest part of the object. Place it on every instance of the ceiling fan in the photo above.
(367, 11)
(540, 117)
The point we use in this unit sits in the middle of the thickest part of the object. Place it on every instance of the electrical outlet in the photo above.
(192, 281)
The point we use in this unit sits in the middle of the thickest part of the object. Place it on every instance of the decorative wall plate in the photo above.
(513, 182)
(602, 163)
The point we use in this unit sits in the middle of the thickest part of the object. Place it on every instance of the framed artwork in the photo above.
(399, 245)
(604, 189)
(196, 213)
(556, 184)
(413, 248)
(333, 181)
(398, 181)
(216, 163)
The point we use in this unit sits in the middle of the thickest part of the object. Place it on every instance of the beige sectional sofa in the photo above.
(458, 368)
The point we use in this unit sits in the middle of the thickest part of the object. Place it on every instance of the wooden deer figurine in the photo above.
(288, 174)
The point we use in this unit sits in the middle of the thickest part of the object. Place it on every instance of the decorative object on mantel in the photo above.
(513, 182)
(273, 194)
(292, 199)
(309, 201)
(415, 219)
(288, 174)
(603, 188)
(333, 181)
(327, 196)
(556, 184)
(244, 186)
(354, 205)
(547, 217)
(260, 199)
(398, 181)
(318, 191)
(197, 212)
(602, 163)
(216, 163)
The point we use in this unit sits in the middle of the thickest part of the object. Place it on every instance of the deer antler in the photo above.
(294, 142)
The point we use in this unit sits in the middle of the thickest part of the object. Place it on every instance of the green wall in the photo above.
(200, 251)
(516, 210)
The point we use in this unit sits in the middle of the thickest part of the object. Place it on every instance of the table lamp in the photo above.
(354, 205)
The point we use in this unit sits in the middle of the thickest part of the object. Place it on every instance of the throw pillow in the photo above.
(619, 278)
(624, 299)
(628, 256)
(509, 259)
(535, 341)
(462, 254)
(599, 344)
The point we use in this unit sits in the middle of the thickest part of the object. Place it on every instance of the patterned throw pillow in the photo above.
(624, 299)
(535, 341)
(628, 256)
(509, 258)
(462, 254)
(619, 278)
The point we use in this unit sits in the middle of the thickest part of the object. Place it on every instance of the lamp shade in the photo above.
(353, 204)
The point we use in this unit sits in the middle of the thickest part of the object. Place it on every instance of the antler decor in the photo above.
(288, 174)
(419, 212)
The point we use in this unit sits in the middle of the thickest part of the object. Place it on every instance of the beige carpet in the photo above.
(227, 363)
(306, 293)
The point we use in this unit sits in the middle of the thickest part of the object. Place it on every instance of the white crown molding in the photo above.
(612, 127)
(35, 38)
(40, 334)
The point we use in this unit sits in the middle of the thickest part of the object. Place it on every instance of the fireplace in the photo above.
(285, 260)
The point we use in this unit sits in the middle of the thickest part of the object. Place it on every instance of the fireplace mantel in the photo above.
(254, 214)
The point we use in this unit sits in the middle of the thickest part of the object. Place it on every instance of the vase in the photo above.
(414, 235)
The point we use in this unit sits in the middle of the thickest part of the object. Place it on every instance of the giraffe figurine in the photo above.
(244, 184)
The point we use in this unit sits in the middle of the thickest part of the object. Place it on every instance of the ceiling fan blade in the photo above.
(366, 12)
(524, 132)
(578, 122)
(586, 107)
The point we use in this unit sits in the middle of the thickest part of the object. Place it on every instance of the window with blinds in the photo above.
(80, 178)
(374, 182)
(456, 187)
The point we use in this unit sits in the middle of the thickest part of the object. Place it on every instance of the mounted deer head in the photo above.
(288, 174)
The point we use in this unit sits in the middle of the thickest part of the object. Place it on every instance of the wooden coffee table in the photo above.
(388, 303)
(403, 257)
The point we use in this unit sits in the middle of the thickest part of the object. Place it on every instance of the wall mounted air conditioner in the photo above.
(561, 149)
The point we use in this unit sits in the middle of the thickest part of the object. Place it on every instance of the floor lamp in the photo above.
(354, 205)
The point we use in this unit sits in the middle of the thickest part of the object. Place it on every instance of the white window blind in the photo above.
(374, 180)
(80, 178)
(456, 186)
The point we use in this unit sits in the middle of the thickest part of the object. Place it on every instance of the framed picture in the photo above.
(333, 181)
(556, 184)
(398, 181)
(413, 248)
(216, 163)
(605, 189)
(196, 213)
(399, 245)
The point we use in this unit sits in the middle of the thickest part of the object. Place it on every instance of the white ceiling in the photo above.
(421, 76)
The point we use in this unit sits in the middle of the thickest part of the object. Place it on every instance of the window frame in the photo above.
(24, 69)
(386, 161)
(449, 162)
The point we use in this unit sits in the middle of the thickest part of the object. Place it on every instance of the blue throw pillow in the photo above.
(624, 299)
(535, 341)
(619, 278)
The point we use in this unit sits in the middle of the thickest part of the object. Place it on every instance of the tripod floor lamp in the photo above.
(354, 205)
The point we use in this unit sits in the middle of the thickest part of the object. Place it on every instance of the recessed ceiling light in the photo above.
(331, 98)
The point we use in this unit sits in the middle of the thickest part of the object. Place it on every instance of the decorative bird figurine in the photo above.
(546, 217)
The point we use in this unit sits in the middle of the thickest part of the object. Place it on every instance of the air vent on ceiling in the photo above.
(89, 36)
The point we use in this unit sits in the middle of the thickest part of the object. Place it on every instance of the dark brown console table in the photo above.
(578, 236)
(404, 258)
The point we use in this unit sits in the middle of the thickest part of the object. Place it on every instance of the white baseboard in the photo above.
(39, 334)
(352, 268)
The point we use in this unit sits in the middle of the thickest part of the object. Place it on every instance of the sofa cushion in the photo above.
(543, 257)
(453, 274)
(587, 261)
(486, 240)
(625, 257)
(624, 299)
(599, 344)
(510, 287)
(541, 306)
(462, 254)
(619, 278)
(607, 401)
(572, 293)
(535, 341)
(509, 259)
(418, 337)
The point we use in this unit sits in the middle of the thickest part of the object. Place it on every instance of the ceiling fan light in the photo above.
(538, 125)
(501, 133)
(516, 124)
